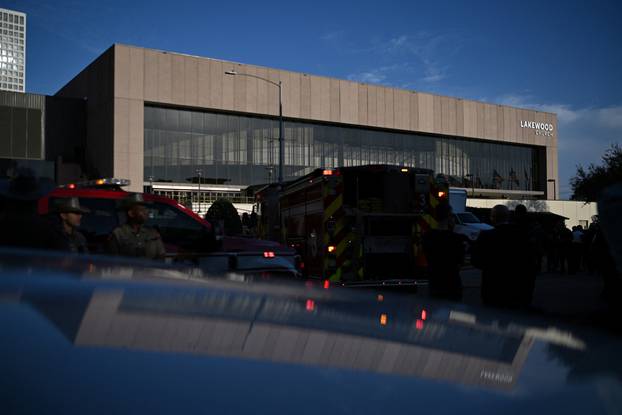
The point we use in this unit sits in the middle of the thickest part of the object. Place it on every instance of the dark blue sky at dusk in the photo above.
(558, 56)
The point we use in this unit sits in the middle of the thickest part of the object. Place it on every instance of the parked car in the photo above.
(84, 335)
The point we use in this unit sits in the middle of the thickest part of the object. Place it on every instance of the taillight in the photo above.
(268, 254)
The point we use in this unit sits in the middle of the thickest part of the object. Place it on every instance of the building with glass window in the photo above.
(170, 120)
(12, 51)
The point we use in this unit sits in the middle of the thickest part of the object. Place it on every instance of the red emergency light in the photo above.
(419, 324)
(326, 284)
(268, 254)
(310, 306)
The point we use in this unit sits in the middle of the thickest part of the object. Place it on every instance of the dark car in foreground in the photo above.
(86, 335)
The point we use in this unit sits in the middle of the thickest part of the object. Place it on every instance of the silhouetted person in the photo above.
(564, 248)
(20, 224)
(506, 259)
(444, 251)
(576, 250)
(69, 214)
(535, 234)
(134, 238)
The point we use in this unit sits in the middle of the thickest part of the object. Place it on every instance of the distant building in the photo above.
(12, 51)
(167, 121)
(42, 133)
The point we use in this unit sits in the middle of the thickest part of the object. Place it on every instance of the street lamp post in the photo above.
(281, 138)
(472, 180)
(554, 188)
(199, 173)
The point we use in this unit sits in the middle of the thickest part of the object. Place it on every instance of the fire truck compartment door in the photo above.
(387, 245)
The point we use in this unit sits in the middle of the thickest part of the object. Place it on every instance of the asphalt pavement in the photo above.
(576, 298)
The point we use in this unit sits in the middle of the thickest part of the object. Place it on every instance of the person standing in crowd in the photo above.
(565, 246)
(576, 251)
(134, 239)
(21, 225)
(506, 259)
(444, 251)
(534, 233)
(68, 238)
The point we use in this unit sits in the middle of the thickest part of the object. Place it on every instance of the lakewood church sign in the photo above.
(541, 128)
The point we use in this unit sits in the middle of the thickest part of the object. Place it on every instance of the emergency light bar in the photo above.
(99, 183)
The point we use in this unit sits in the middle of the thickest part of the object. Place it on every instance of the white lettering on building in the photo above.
(542, 128)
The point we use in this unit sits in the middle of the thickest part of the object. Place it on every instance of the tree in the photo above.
(589, 183)
(223, 210)
(532, 205)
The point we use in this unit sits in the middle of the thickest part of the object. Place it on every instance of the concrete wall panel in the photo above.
(335, 103)
(306, 103)
(137, 71)
(348, 101)
(460, 117)
(216, 84)
(150, 86)
(426, 112)
(372, 105)
(293, 93)
(381, 107)
(413, 119)
(203, 81)
(122, 70)
(165, 80)
(191, 84)
(362, 104)
(437, 112)
(178, 79)
(389, 105)
(401, 109)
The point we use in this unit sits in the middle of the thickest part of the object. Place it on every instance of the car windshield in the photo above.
(468, 217)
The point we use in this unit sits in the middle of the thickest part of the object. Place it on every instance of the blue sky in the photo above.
(558, 56)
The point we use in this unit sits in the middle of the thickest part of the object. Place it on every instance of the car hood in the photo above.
(88, 337)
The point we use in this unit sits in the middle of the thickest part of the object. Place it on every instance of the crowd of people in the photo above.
(512, 254)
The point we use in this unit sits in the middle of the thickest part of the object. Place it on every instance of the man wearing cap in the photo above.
(68, 237)
(134, 239)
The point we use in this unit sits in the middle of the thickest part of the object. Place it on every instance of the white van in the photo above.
(467, 224)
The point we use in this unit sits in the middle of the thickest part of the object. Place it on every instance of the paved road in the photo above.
(577, 298)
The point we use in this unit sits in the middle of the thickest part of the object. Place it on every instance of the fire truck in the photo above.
(355, 224)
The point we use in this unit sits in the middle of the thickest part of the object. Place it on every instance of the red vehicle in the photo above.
(184, 233)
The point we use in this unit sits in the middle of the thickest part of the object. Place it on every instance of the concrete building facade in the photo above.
(155, 116)
(12, 50)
